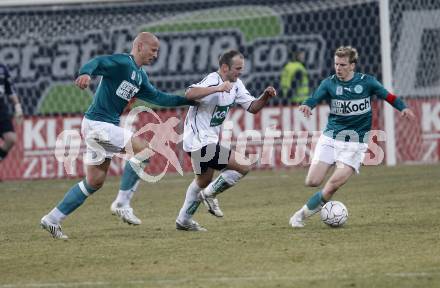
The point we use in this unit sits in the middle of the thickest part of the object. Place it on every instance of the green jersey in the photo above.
(350, 105)
(122, 80)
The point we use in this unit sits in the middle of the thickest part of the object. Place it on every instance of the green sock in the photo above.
(315, 201)
(129, 177)
(75, 197)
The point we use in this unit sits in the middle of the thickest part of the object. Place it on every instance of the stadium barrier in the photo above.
(277, 138)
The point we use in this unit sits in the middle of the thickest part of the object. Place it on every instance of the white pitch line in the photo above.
(216, 279)
(70, 284)
(409, 274)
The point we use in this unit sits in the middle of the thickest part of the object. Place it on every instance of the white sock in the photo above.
(124, 196)
(225, 180)
(191, 199)
(56, 216)
(307, 212)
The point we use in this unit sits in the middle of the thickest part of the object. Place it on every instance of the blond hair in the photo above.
(349, 52)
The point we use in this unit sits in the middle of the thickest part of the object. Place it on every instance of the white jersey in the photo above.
(203, 122)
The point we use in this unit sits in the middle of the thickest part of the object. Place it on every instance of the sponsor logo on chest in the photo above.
(127, 90)
(219, 115)
(350, 107)
(358, 89)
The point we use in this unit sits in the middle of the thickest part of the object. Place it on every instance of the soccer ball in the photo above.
(334, 214)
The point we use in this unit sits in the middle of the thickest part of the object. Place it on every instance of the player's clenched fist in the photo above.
(305, 110)
(225, 86)
(270, 91)
(408, 114)
(83, 81)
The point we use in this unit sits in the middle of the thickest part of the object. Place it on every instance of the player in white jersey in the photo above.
(216, 94)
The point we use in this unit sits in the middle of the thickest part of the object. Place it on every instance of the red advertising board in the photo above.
(277, 137)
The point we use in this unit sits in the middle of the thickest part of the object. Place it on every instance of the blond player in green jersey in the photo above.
(344, 140)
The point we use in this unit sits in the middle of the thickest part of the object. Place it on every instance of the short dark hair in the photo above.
(226, 57)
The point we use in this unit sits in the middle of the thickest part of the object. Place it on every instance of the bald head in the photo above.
(145, 48)
(145, 38)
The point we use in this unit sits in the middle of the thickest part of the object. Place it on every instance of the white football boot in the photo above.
(54, 229)
(212, 204)
(189, 225)
(297, 220)
(125, 213)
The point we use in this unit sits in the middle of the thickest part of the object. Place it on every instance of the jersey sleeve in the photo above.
(150, 94)
(318, 95)
(377, 88)
(102, 65)
(244, 98)
(380, 91)
(211, 80)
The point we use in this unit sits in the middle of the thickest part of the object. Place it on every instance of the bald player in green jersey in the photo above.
(122, 79)
(344, 140)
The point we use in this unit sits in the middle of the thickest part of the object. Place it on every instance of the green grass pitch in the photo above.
(392, 237)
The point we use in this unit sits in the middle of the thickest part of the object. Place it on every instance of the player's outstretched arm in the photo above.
(258, 104)
(157, 97)
(397, 102)
(196, 93)
(318, 96)
(151, 94)
(101, 65)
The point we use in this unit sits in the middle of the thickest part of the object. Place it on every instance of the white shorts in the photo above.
(330, 151)
(103, 140)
